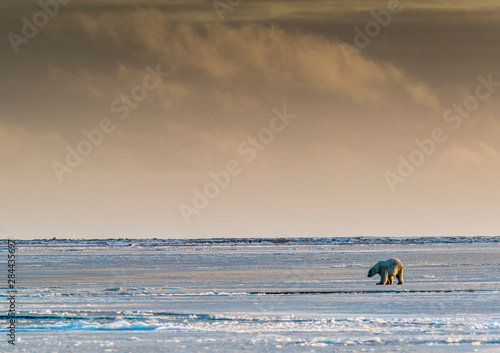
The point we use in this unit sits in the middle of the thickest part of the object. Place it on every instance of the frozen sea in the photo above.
(256, 295)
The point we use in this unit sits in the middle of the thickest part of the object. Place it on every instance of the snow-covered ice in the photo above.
(229, 295)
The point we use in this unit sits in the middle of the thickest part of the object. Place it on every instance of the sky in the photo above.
(196, 119)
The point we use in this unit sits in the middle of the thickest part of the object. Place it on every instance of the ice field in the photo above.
(276, 295)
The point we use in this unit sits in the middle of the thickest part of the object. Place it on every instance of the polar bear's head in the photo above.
(374, 270)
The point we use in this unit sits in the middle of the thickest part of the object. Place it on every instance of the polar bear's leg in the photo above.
(390, 279)
(399, 276)
(383, 276)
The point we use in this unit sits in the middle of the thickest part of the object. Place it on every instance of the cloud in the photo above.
(248, 61)
(224, 81)
(478, 154)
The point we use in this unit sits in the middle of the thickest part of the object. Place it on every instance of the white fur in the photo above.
(387, 270)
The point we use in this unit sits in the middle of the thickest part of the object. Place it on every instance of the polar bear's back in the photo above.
(394, 266)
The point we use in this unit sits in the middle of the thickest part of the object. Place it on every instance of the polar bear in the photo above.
(387, 270)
